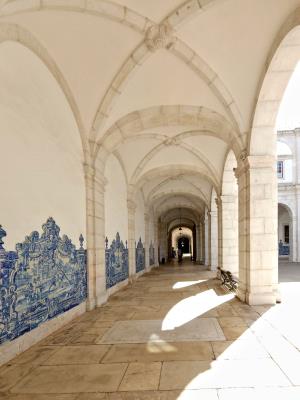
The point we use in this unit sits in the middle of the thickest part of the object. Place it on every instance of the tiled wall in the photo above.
(43, 278)
(116, 261)
(140, 256)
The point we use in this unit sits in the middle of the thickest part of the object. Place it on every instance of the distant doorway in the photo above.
(184, 244)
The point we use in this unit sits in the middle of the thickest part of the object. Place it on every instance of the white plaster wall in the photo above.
(139, 217)
(40, 150)
(116, 216)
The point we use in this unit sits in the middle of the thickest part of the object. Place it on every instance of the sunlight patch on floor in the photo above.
(157, 345)
(192, 307)
(181, 285)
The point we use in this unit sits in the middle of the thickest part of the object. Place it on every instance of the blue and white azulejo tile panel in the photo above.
(140, 256)
(151, 254)
(116, 261)
(43, 278)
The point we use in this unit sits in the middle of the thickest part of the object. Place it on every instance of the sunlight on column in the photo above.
(192, 307)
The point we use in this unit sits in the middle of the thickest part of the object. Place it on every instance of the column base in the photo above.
(102, 299)
(257, 299)
(90, 304)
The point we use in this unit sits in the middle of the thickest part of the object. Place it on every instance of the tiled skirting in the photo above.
(9, 350)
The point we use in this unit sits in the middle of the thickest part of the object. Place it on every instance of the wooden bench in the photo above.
(228, 280)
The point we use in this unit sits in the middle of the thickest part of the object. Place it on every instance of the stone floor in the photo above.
(174, 334)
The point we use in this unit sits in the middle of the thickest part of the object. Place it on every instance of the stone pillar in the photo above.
(258, 258)
(96, 276)
(214, 241)
(147, 242)
(156, 242)
(230, 234)
(131, 207)
(163, 241)
(202, 242)
(198, 244)
(208, 239)
(220, 237)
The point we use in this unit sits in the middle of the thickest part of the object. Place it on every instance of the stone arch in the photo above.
(176, 192)
(175, 170)
(100, 8)
(192, 200)
(199, 120)
(281, 62)
(291, 151)
(200, 156)
(185, 179)
(16, 33)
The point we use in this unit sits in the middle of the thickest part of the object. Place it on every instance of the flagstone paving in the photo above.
(173, 334)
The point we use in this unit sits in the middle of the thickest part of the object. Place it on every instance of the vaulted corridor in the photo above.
(173, 334)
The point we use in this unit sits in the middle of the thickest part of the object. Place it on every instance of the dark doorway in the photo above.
(184, 245)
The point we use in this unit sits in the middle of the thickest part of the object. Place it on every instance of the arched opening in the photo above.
(183, 242)
(259, 212)
(285, 233)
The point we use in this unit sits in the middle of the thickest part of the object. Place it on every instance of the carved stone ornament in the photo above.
(243, 155)
(159, 37)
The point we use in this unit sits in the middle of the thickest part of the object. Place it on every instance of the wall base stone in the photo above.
(9, 350)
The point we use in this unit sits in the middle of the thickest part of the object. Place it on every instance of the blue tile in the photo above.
(116, 262)
(43, 278)
(139, 256)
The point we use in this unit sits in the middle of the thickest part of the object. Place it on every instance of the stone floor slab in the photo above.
(72, 379)
(203, 394)
(159, 351)
(221, 374)
(78, 355)
(141, 376)
(205, 329)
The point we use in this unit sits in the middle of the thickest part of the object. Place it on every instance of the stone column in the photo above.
(208, 239)
(214, 241)
(131, 207)
(258, 259)
(95, 189)
(163, 242)
(198, 244)
(147, 242)
(220, 237)
(202, 242)
(156, 243)
(230, 234)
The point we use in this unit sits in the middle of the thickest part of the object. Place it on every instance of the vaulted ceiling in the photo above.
(168, 86)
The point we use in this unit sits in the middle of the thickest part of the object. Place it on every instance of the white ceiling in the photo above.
(214, 60)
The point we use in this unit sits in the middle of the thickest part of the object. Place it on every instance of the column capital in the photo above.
(146, 217)
(131, 205)
(246, 163)
(218, 202)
